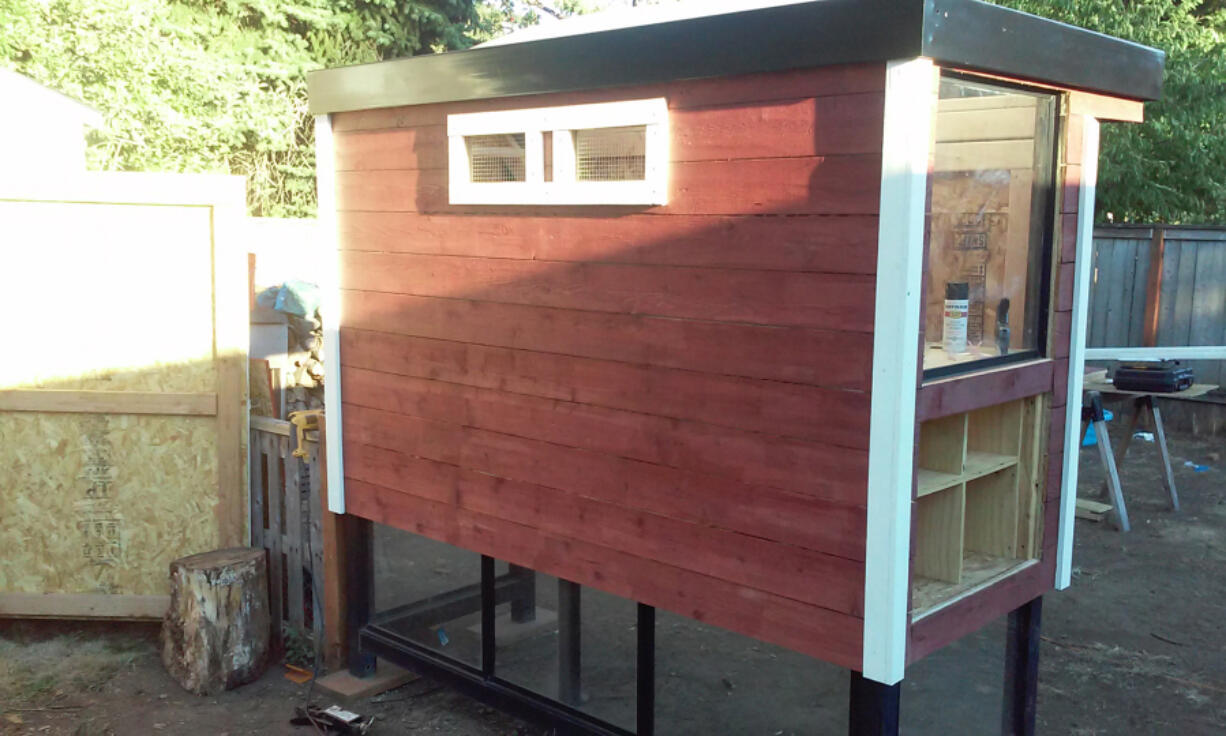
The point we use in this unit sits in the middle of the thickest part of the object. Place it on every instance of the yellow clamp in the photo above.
(304, 420)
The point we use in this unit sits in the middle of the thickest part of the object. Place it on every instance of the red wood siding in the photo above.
(667, 403)
(976, 611)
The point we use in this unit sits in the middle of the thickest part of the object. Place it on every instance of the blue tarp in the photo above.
(299, 298)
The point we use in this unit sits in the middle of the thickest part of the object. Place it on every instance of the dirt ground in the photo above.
(1136, 646)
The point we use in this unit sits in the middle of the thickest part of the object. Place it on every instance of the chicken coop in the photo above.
(763, 316)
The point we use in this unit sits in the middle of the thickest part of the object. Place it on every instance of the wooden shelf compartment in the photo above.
(976, 501)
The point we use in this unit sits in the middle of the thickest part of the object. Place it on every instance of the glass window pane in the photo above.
(990, 219)
(568, 643)
(429, 592)
(713, 681)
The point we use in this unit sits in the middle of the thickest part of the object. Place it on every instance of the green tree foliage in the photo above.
(1172, 168)
(215, 85)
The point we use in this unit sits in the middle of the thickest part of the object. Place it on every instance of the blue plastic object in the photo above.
(1091, 439)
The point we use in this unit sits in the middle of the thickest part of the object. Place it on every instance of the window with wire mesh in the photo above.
(496, 158)
(611, 154)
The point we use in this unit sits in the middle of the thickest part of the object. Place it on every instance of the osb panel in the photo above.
(93, 503)
(115, 297)
(979, 230)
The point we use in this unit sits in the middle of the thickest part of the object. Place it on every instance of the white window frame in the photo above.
(565, 189)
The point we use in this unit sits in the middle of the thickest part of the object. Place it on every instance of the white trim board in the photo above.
(910, 98)
(1182, 352)
(1077, 351)
(325, 181)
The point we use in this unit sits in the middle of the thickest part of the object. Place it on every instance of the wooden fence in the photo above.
(285, 520)
(1160, 286)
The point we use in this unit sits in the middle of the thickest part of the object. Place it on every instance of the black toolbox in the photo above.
(1157, 376)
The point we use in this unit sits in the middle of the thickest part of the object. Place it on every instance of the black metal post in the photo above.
(873, 707)
(523, 604)
(359, 590)
(487, 616)
(1022, 669)
(646, 678)
(569, 643)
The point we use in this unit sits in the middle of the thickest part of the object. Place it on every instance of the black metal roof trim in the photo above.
(965, 33)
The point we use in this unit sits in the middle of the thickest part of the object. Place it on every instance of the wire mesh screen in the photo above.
(493, 158)
(611, 154)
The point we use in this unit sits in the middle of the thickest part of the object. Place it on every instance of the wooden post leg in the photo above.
(569, 643)
(1022, 669)
(523, 605)
(1168, 477)
(874, 708)
(1121, 449)
(359, 583)
(1116, 494)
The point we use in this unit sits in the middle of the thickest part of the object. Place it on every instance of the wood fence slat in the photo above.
(293, 530)
(1170, 279)
(256, 489)
(1099, 293)
(1208, 306)
(276, 496)
(1118, 284)
(1181, 322)
(316, 546)
(1140, 290)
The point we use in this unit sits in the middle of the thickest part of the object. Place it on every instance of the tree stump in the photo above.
(215, 634)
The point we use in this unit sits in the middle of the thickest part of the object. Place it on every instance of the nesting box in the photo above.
(761, 317)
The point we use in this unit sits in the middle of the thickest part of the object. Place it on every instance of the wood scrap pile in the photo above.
(304, 382)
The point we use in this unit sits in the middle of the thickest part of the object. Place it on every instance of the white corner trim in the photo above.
(560, 121)
(1183, 352)
(1077, 351)
(325, 182)
(910, 97)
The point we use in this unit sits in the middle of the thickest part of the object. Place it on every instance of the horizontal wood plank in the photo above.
(828, 301)
(109, 402)
(834, 636)
(804, 127)
(746, 457)
(799, 355)
(766, 513)
(1062, 325)
(822, 243)
(83, 606)
(961, 394)
(984, 125)
(422, 147)
(976, 611)
(740, 89)
(590, 473)
(829, 416)
(785, 128)
(1071, 189)
(984, 155)
(1068, 238)
(831, 582)
(1063, 298)
(839, 185)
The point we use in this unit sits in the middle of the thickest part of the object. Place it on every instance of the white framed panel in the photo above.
(910, 107)
(561, 122)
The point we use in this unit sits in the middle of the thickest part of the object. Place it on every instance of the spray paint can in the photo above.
(957, 309)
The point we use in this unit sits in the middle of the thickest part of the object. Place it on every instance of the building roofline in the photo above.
(967, 34)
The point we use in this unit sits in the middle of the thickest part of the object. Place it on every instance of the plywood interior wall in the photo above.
(123, 415)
